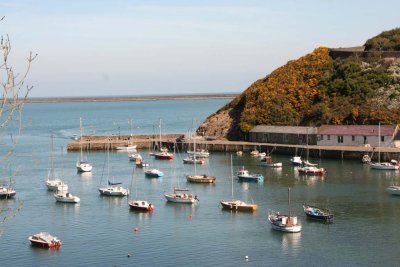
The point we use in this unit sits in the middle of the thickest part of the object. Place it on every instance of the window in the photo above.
(321, 137)
(340, 139)
(382, 139)
(365, 139)
(353, 138)
(328, 137)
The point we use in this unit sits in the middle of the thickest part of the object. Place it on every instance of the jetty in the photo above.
(101, 143)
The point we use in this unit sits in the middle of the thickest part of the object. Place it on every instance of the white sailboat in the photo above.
(284, 223)
(130, 146)
(181, 195)
(382, 165)
(53, 183)
(63, 195)
(66, 197)
(237, 205)
(113, 188)
(82, 165)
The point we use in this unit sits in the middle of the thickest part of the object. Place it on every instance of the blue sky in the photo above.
(97, 47)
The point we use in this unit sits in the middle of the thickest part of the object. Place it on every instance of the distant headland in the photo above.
(126, 98)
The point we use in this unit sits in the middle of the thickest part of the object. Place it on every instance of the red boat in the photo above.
(311, 170)
(164, 155)
(45, 240)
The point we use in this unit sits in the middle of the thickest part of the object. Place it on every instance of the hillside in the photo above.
(317, 89)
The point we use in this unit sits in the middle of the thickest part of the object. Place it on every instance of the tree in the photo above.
(14, 95)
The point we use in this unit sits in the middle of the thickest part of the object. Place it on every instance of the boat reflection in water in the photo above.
(291, 244)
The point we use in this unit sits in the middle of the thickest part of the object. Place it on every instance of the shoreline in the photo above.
(126, 98)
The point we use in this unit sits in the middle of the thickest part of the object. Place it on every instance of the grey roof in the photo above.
(284, 129)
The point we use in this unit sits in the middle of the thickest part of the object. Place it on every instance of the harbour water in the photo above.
(99, 231)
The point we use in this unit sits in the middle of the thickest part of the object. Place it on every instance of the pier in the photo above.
(101, 143)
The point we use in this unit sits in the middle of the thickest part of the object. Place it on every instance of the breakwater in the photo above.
(99, 143)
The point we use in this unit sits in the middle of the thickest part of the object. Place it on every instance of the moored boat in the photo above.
(82, 164)
(267, 161)
(181, 196)
(153, 173)
(393, 190)
(238, 205)
(366, 159)
(116, 191)
(164, 154)
(311, 170)
(383, 166)
(255, 153)
(284, 223)
(56, 185)
(296, 161)
(200, 178)
(199, 153)
(140, 205)
(66, 197)
(318, 213)
(126, 148)
(245, 176)
(45, 240)
(193, 160)
(7, 192)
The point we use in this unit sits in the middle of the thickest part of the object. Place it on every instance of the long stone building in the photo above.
(328, 135)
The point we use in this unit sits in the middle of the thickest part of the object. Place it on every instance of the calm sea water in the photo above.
(100, 230)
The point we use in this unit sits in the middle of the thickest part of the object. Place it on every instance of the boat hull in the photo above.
(200, 179)
(318, 214)
(238, 206)
(251, 178)
(114, 192)
(153, 174)
(166, 156)
(311, 171)
(181, 198)
(384, 166)
(44, 240)
(125, 148)
(67, 198)
(8, 194)
(393, 190)
(139, 205)
(84, 167)
(276, 223)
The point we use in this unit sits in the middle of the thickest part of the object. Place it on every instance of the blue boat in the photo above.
(317, 213)
(245, 176)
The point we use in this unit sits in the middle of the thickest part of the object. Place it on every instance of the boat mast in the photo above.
(51, 157)
(289, 199)
(131, 137)
(159, 126)
(232, 177)
(194, 156)
(379, 143)
(80, 128)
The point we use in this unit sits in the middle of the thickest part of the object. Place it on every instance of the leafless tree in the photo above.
(15, 92)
